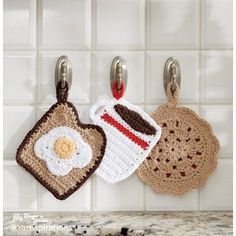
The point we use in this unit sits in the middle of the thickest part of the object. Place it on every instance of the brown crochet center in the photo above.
(185, 154)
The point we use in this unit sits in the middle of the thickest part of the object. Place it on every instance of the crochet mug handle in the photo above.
(98, 106)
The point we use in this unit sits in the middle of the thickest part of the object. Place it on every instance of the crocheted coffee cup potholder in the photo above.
(131, 134)
(60, 151)
(186, 153)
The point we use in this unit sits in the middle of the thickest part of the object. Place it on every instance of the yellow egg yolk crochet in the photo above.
(64, 147)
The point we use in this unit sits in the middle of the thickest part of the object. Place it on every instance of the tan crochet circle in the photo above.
(186, 153)
(64, 147)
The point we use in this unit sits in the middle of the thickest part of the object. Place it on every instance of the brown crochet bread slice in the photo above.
(61, 114)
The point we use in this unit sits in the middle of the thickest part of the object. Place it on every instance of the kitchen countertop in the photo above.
(135, 223)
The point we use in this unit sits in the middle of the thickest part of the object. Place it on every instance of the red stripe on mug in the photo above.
(110, 120)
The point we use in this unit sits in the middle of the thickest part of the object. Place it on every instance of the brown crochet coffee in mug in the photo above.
(135, 121)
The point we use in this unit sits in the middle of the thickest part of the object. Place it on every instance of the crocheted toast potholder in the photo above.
(131, 134)
(186, 153)
(60, 151)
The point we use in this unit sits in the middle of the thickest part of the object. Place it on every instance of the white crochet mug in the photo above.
(131, 134)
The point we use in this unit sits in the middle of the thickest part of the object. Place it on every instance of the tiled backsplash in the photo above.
(92, 32)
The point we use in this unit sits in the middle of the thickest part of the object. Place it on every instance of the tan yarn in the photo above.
(61, 186)
(186, 153)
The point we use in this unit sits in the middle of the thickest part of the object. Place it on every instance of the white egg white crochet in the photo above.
(44, 149)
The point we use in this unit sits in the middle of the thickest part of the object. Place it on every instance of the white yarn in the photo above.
(44, 149)
(122, 156)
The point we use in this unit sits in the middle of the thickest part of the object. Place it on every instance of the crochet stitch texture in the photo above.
(80, 153)
(186, 153)
(62, 114)
(131, 134)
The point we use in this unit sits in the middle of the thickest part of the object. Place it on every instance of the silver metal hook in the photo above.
(63, 72)
(118, 72)
(172, 73)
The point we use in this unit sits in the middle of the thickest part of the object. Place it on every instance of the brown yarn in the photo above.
(60, 114)
(186, 153)
(133, 119)
(62, 93)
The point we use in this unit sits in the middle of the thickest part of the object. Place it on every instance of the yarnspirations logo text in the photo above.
(26, 222)
(44, 228)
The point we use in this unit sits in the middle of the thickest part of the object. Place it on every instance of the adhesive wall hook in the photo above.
(63, 72)
(118, 77)
(172, 73)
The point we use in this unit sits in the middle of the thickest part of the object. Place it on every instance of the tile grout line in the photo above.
(36, 106)
(117, 49)
(91, 92)
(11, 104)
(146, 8)
(199, 76)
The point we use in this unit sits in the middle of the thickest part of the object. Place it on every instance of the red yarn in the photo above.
(118, 93)
(106, 117)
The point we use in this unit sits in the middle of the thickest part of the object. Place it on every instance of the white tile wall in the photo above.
(123, 196)
(167, 202)
(19, 24)
(118, 24)
(24, 80)
(217, 24)
(216, 78)
(59, 31)
(173, 24)
(92, 32)
(79, 201)
(18, 120)
(20, 192)
(218, 191)
(221, 118)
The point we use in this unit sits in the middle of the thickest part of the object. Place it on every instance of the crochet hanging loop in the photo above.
(63, 78)
(116, 91)
(172, 94)
(118, 77)
(62, 92)
(172, 80)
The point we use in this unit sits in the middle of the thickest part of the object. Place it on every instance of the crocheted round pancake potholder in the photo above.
(131, 134)
(60, 151)
(186, 153)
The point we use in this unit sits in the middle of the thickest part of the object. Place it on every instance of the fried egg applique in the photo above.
(63, 149)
